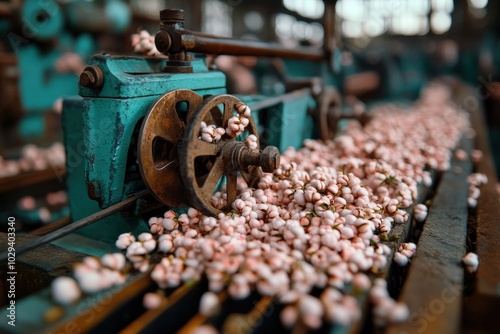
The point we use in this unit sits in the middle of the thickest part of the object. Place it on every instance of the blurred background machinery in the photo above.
(45, 45)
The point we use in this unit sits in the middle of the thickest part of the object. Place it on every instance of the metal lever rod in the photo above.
(196, 42)
(76, 225)
(174, 41)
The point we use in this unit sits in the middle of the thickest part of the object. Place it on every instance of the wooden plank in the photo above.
(31, 178)
(481, 307)
(100, 313)
(433, 289)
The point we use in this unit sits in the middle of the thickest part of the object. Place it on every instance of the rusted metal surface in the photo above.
(180, 41)
(268, 160)
(260, 314)
(157, 154)
(203, 164)
(433, 288)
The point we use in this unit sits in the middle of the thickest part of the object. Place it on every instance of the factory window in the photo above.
(371, 18)
(254, 20)
(217, 18)
(291, 31)
(312, 9)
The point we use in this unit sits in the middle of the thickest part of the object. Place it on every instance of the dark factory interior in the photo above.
(231, 166)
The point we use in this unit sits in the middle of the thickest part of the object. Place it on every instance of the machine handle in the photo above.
(174, 40)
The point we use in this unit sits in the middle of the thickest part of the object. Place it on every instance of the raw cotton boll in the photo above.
(150, 245)
(472, 202)
(289, 316)
(399, 313)
(91, 282)
(361, 281)
(91, 262)
(400, 259)
(114, 261)
(461, 155)
(65, 290)
(311, 311)
(338, 314)
(471, 262)
(209, 304)
(165, 244)
(317, 222)
(151, 300)
(124, 240)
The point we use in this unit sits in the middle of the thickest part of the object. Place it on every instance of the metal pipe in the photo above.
(202, 43)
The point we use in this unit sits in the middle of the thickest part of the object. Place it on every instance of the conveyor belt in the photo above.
(433, 281)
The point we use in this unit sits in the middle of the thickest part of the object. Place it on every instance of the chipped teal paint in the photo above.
(99, 130)
(79, 202)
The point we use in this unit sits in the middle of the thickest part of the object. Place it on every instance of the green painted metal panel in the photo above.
(101, 132)
(289, 123)
(80, 204)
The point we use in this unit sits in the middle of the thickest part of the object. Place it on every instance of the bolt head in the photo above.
(163, 41)
(270, 159)
(92, 77)
(86, 79)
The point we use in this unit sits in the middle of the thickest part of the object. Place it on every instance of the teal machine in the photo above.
(42, 34)
(133, 127)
